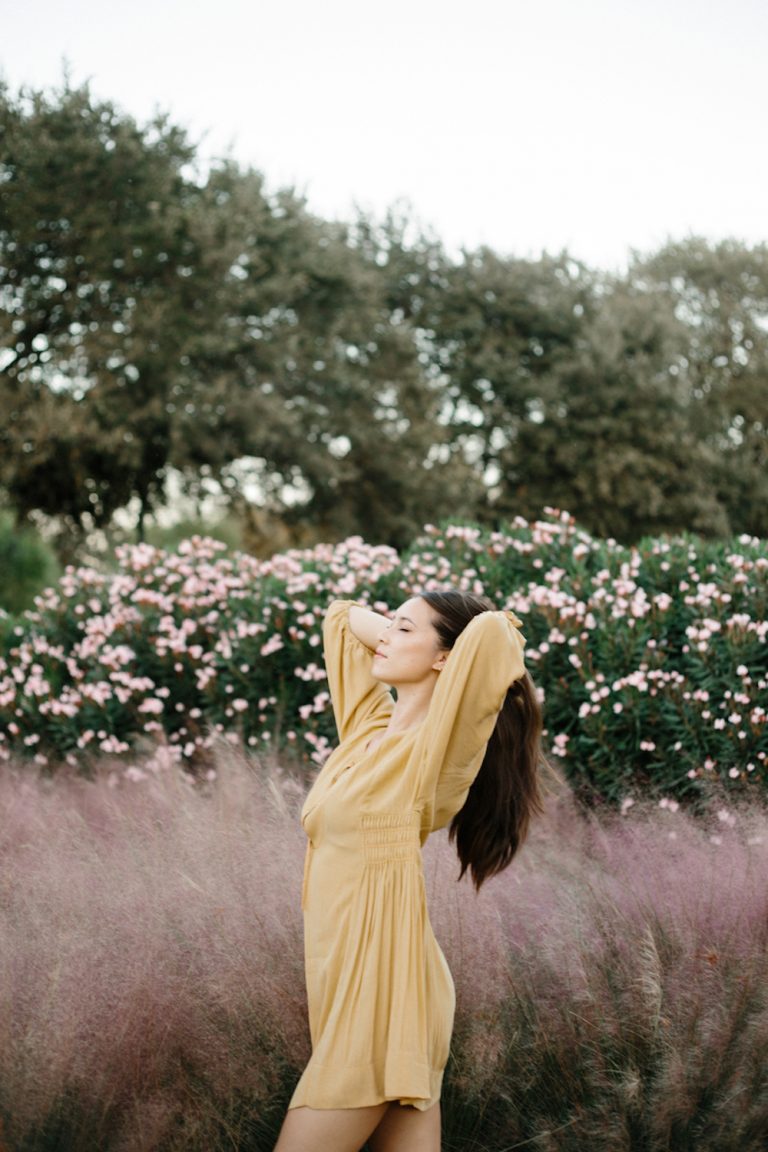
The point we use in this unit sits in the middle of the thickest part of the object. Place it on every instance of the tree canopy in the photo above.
(159, 319)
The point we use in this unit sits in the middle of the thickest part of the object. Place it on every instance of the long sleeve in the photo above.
(486, 659)
(355, 694)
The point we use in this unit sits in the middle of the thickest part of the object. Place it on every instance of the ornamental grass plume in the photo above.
(611, 984)
(612, 987)
(152, 991)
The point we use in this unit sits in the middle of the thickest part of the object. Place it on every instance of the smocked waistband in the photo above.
(391, 835)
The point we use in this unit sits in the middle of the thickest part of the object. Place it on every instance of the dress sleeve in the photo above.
(486, 659)
(356, 696)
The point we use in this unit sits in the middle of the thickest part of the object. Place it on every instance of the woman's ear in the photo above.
(439, 664)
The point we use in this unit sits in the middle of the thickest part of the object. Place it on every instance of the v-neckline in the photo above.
(379, 738)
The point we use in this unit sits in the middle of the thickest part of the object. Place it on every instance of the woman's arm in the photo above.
(485, 660)
(357, 697)
(367, 626)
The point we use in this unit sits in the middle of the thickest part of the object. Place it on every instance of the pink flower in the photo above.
(151, 706)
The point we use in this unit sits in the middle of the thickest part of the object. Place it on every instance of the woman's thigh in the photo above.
(328, 1130)
(405, 1129)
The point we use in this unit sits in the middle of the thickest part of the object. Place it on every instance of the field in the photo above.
(159, 724)
(611, 985)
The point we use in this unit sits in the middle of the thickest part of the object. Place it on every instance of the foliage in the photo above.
(197, 323)
(349, 377)
(94, 245)
(652, 660)
(227, 530)
(500, 332)
(610, 985)
(719, 294)
(27, 566)
(614, 438)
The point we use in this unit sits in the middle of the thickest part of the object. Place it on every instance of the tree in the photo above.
(305, 378)
(614, 442)
(498, 330)
(348, 378)
(719, 293)
(156, 321)
(95, 254)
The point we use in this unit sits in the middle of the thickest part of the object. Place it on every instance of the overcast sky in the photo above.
(529, 125)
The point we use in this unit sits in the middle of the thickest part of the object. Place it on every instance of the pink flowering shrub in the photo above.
(178, 649)
(610, 984)
(652, 660)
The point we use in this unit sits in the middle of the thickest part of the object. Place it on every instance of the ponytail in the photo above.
(506, 793)
(494, 821)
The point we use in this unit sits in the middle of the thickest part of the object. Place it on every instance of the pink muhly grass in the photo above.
(611, 987)
(610, 984)
(151, 959)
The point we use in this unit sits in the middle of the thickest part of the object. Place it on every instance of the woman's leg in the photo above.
(406, 1129)
(328, 1130)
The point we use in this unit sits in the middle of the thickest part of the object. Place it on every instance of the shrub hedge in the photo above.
(652, 660)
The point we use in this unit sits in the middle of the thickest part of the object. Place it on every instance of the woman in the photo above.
(459, 743)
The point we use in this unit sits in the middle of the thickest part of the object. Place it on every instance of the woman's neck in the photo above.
(411, 706)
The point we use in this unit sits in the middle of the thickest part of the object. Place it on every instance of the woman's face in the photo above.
(409, 650)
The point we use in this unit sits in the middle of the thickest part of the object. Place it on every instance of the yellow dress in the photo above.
(380, 994)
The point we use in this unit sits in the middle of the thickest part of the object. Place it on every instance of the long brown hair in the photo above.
(494, 820)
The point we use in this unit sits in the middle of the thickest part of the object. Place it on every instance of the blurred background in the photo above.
(283, 273)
